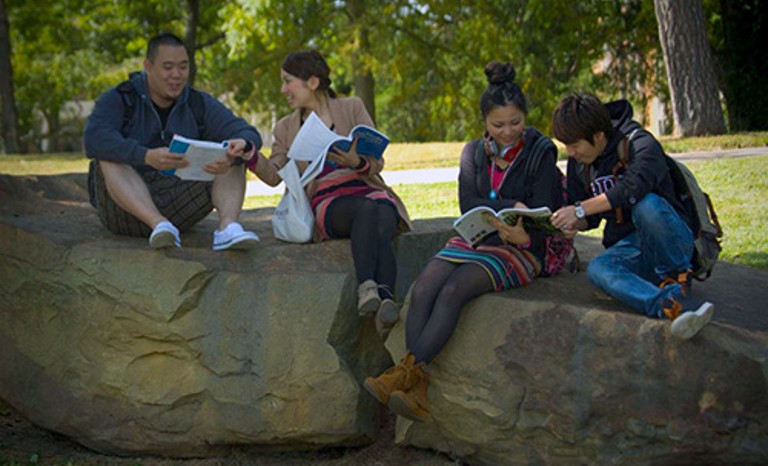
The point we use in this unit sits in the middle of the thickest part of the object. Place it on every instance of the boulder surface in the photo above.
(180, 352)
(558, 373)
(189, 352)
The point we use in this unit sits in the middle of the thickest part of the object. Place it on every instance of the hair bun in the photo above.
(500, 73)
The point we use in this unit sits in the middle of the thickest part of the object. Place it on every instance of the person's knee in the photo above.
(647, 211)
(386, 221)
(451, 291)
(110, 169)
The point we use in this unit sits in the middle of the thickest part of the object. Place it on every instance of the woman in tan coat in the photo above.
(349, 197)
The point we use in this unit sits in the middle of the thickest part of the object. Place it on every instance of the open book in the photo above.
(314, 140)
(198, 153)
(474, 225)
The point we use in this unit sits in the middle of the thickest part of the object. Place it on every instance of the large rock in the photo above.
(182, 352)
(559, 374)
(187, 352)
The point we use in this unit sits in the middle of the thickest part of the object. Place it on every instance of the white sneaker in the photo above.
(164, 235)
(688, 324)
(368, 300)
(234, 237)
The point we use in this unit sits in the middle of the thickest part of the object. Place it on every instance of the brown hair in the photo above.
(581, 116)
(307, 63)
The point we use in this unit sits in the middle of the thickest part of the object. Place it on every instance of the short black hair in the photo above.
(165, 38)
(581, 116)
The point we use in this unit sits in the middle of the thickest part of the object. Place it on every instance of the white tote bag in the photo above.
(293, 220)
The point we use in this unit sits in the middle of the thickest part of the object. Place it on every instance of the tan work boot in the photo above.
(412, 403)
(368, 300)
(394, 378)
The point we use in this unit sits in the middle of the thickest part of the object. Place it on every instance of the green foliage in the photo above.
(426, 57)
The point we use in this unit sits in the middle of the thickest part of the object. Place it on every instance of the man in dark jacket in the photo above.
(649, 245)
(128, 135)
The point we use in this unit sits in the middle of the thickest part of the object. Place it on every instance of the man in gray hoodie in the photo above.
(127, 136)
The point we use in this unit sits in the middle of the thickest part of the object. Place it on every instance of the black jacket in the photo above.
(534, 180)
(647, 172)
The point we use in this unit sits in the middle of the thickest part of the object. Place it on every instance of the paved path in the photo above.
(439, 175)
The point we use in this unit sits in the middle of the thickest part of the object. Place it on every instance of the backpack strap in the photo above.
(130, 97)
(624, 150)
(539, 146)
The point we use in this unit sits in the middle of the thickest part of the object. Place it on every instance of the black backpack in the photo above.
(131, 99)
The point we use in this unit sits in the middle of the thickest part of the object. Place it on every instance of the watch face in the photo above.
(579, 212)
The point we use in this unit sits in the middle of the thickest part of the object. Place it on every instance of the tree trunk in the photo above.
(10, 124)
(365, 84)
(690, 68)
(190, 36)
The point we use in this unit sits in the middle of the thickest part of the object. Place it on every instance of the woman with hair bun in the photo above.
(510, 166)
(349, 197)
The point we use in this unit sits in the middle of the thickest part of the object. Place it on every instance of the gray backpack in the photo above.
(701, 213)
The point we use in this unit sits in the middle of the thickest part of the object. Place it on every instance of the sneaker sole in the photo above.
(386, 318)
(399, 406)
(369, 307)
(690, 323)
(164, 239)
(243, 244)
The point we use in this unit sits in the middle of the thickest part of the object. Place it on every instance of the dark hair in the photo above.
(581, 116)
(502, 89)
(165, 38)
(307, 63)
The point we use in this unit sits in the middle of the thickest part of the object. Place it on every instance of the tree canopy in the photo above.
(418, 65)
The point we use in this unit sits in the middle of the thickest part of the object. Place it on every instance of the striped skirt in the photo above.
(506, 266)
(321, 207)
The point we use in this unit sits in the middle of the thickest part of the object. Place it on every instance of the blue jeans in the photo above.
(632, 269)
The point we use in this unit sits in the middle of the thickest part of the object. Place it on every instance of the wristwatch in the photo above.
(579, 210)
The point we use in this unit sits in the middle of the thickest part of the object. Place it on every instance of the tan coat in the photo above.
(346, 113)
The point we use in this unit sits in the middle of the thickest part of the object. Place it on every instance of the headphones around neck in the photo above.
(492, 149)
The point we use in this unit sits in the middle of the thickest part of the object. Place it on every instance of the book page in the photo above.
(509, 215)
(536, 218)
(312, 140)
(473, 226)
(198, 153)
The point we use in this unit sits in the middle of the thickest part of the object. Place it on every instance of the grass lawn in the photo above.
(399, 156)
(738, 187)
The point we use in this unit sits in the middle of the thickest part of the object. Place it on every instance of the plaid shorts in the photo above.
(182, 202)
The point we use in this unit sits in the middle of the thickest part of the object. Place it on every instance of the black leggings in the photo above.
(371, 226)
(437, 297)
